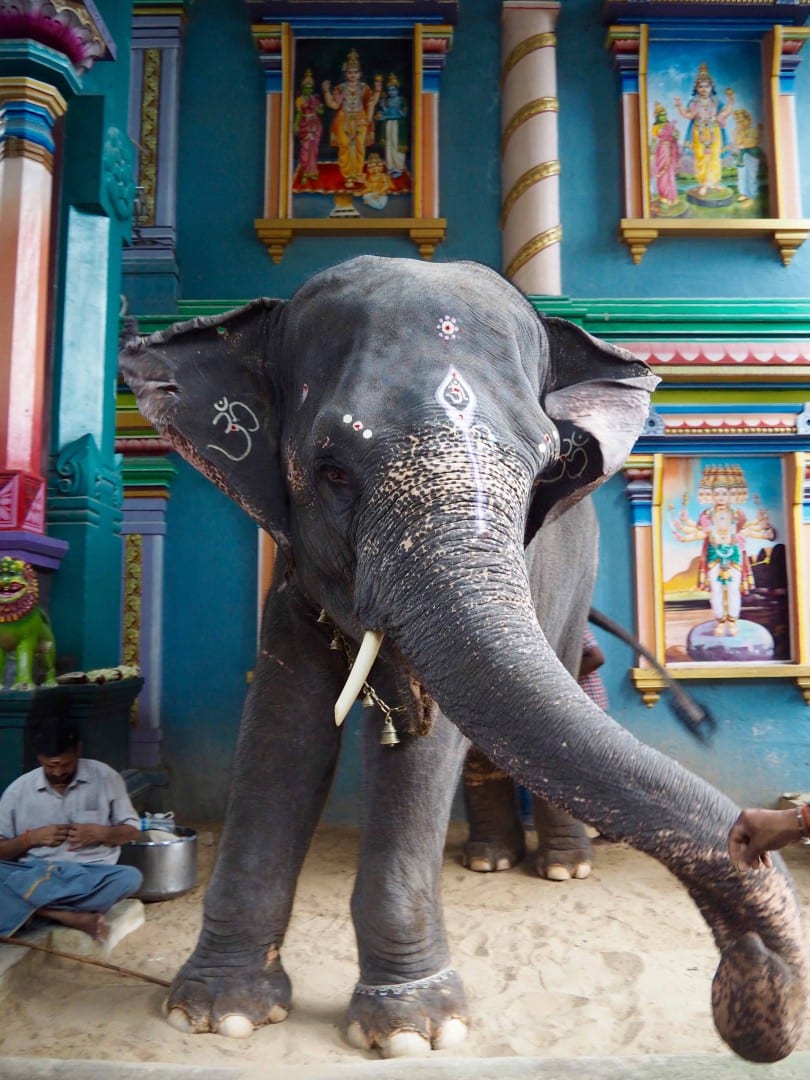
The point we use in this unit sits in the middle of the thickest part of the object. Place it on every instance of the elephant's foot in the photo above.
(496, 840)
(564, 850)
(208, 996)
(409, 1019)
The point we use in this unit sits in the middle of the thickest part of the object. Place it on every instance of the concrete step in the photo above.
(649, 1067)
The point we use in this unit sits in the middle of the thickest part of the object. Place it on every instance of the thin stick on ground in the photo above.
(84, 960)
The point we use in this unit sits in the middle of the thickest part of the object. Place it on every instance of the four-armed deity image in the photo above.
(351, 139)
(712, 164)
(746, 587)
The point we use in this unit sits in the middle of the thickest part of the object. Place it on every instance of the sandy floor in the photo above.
(620, 964)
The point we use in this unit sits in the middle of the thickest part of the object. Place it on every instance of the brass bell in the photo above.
(389, 735)
(367, 701)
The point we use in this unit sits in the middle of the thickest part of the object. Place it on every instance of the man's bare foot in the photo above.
(91, 922)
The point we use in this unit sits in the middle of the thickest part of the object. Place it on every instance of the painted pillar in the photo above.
(151, 274)
(530, 167)
(146, 490)
(85, 488)
(33, 98)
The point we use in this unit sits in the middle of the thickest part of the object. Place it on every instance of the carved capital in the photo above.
(79, 471)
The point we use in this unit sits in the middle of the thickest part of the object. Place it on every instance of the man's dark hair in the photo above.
(54, 734)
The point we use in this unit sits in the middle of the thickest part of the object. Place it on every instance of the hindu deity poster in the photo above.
(351, 128)
(705, 130)
(724, 560)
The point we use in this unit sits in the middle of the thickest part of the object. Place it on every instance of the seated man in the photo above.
(61, 827)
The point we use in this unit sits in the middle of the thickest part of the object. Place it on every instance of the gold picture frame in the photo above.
(709, 132)
(373, 171)
(722, 567)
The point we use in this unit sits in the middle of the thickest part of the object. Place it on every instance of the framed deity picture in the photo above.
(704, 130)
(352, 123)
(709, 126)
(727, 554)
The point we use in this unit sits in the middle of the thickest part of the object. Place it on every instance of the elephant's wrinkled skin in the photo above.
(402, 429)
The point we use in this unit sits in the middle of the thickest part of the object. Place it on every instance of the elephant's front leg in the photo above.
(564, 848)
(409, 997)
(288, 744)
(496, 839)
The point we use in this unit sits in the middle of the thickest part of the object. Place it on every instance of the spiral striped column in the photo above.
(530, 167)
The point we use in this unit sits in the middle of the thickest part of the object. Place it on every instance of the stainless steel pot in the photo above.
(169, 866)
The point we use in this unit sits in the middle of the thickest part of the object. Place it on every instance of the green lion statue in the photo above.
(24, 627)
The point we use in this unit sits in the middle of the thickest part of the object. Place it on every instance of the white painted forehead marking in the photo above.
(357, 425)
(448, 328)
(457, 398)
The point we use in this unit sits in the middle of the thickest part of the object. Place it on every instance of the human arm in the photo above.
(14, 847)
(122, 823)
(592, 655)
(86, 835)
(757, 832)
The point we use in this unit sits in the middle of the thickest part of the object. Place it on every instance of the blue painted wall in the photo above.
(763, 746)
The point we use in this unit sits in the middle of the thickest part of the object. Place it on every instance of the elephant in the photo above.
(403, 429)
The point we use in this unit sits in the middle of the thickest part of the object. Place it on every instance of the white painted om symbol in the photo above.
(227, 411)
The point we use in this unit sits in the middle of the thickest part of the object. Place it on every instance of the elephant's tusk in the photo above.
(369, 647)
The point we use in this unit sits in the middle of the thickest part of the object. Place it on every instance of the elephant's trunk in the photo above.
(457, 605)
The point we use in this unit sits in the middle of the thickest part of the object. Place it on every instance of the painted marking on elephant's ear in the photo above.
(304, 392)
(458, 400)
(239, 419)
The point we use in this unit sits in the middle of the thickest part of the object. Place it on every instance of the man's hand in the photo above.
(80, 836)
(47, 835)
(755, 833)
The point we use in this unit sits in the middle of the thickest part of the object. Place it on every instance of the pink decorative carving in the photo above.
(64, 25)
(22, 502)
(737, 353)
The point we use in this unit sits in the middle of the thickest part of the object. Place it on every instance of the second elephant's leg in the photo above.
(409, 998)
(495, 840)
(564, 848)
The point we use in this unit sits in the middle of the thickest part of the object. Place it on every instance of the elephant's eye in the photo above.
(333, 475)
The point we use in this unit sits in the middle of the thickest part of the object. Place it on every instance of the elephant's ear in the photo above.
(598, 395)
(208, 386)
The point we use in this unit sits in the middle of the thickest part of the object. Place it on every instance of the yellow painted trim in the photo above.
(773, 42)
(277, 233)
(285, 134)
(21, 88)
(14, 147)
(417, 195)
(658, 557)
(531, 177)
(525, 113)
(643, 129)
(546, 40)
(787, 234)
(800, 536)
(533, 247)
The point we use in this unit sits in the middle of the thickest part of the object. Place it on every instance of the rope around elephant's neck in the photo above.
(84, 960)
